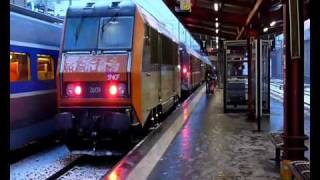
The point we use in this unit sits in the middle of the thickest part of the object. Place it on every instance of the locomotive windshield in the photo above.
(94, 33)
(81, 33)
(115, 33)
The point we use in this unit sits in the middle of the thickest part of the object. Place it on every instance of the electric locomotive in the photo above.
(119, 70)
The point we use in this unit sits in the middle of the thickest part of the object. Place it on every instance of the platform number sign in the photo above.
(294, 28)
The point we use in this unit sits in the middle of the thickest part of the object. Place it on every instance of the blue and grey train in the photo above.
(34, 51)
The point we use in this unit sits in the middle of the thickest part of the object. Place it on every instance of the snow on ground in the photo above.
(42, 165)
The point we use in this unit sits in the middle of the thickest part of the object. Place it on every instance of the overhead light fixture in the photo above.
(217, 39)
(217, 46)
(265, 29)
(273, 23)
(216, 19)
(217, 30)
(215, 7)
(217, 24)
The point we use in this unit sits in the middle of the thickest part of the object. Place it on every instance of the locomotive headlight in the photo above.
(69, 90)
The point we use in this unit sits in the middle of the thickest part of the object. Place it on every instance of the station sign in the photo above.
(294, 29)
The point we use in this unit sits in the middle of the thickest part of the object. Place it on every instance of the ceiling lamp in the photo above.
(217, 39)
(216, 19)
(217, 30)
(217, 24)
(273, 23)
(265, 29)
(215, 7)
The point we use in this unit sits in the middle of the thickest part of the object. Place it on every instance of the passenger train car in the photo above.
(118, 69)
(193, 71)
(34, 51)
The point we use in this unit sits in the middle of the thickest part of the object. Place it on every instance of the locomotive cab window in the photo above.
(19, 67)
(116, 33)
(81, 33)
(45, 67)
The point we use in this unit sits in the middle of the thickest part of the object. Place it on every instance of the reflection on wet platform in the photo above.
(215, 145)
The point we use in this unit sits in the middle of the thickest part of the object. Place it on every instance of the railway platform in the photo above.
(217, 145)
(210, 145)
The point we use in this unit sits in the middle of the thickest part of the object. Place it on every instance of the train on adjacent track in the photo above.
(34, 50)
(119, 69)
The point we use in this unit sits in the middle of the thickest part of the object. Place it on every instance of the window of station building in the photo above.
(19, 67)
(45, 67)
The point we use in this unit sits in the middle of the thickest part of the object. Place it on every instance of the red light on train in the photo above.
(184, 70)
(77, 90)
(113, 90)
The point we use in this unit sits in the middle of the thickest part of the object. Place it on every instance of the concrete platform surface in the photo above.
(214, 145)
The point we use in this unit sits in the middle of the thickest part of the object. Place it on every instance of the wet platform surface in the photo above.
(215, 145)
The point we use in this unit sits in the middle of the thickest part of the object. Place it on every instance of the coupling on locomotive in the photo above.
(119, 70)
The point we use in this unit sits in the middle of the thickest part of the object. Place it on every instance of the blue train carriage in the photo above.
(34, 51)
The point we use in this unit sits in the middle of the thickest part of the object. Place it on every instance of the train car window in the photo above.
(154, 46)
(167, 50)
(115, 33)
(19, 67)
(45, 67)
(81, 33)
(175, 54)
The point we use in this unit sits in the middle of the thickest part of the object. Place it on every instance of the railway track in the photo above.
(86, 167)
(59, 163)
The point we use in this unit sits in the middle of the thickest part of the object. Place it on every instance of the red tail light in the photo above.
(113, 89)
(184, 70)
(77, 90)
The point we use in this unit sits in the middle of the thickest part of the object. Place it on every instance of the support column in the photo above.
(293, 80)
(258, 84)
(252, 35)
(250, 93)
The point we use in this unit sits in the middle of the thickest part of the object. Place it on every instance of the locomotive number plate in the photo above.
(95, 90)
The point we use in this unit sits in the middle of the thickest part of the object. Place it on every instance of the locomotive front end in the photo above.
(93, 78)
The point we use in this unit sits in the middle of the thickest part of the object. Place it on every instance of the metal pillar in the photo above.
(293, 80)
(250, 93)
(258, 86)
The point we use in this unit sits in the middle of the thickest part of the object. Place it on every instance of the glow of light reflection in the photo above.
(186, 149)
(185, 113)
(114, 175)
